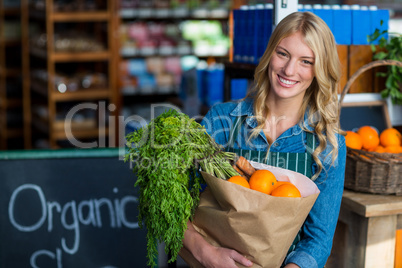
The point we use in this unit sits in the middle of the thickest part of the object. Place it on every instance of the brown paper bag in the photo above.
(259, 226)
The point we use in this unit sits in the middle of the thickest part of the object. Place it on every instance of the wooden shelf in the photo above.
(174, 14)
(80, 16)
(90, 61)
(71, 56)
(79, 95)
(12, 11)
(80, 56)
(68, 17)
(10, 42)
(10, 103)
(77, 132)
(10, 72)
(82, 133)
(14, 133)
(82, 94)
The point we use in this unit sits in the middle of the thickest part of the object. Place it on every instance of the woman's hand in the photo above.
(219, 257)
(211, 256)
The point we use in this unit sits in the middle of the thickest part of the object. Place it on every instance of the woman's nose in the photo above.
(290, 68)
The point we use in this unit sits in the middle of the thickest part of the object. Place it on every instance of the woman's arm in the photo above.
(211, 256)
(318, 230)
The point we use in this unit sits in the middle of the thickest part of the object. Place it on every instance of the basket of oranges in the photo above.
(374, 161)
(374, 158)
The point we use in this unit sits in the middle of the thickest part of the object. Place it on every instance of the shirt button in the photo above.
(276, 144)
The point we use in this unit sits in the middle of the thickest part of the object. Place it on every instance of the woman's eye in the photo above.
(307, 62)
(280, 53)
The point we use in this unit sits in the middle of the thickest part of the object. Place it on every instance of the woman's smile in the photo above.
(286, 82)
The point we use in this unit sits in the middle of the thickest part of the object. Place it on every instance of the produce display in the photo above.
(367, 138)
(166, 154)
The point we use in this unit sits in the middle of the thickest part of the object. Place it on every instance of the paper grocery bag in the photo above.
(257, 225)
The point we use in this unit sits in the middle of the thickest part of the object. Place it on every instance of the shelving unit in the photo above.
(11, 119)
(71, 59)
(138, 54)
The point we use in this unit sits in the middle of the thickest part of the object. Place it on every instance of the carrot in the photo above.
(245, 166)
(239, 170)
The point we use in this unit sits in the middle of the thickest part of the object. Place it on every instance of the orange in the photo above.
(379, 149)
(353, 140)
(393, 149)
(279, 183)
(240, 181)
(286, 190)
(263, 181)
(390, 136)
(369, 136)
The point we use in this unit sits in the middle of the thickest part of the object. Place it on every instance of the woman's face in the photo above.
(291, 68)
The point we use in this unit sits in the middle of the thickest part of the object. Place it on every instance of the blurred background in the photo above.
(73, 72)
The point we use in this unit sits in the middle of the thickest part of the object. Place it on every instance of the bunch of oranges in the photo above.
(265, 181)
(367, 138)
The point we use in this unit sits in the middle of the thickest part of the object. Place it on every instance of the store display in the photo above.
(157, 40)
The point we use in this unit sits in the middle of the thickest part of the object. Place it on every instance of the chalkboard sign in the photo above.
(373, 113)
(69, 208)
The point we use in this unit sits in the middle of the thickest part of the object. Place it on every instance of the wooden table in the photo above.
(365, 234)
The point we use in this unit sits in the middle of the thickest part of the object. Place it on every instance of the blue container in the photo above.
(325, 14)
(248, 35)
(266, 31)
(237, 33)
(215, 86)
(252, 37)
(361, 25)
(376, 17)
(202, 84)
(240, 34)
(239, 88)
(342, 24)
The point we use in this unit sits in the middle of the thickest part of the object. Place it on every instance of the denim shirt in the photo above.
(318, 230)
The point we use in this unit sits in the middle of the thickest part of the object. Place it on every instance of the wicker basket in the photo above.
(372, 172)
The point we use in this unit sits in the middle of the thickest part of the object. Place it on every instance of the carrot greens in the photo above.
(166, 154)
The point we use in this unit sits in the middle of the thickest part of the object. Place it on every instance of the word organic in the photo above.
(65, 219)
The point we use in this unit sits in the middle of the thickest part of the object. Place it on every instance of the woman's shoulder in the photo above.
(231, 108)
(341, 140)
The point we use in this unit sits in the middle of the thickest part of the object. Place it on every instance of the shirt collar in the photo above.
(243, 108)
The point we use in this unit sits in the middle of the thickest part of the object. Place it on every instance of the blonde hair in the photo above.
(321, 97)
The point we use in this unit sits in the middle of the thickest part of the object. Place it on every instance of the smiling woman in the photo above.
(289, 119)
